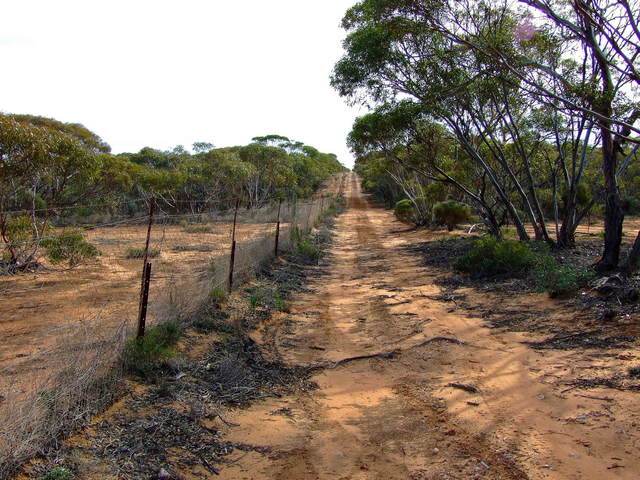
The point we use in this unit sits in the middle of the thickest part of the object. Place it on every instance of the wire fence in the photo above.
(63, 329)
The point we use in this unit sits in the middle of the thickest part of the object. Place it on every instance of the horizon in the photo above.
(168, 78)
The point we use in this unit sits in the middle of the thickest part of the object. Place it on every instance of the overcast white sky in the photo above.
(162, 73)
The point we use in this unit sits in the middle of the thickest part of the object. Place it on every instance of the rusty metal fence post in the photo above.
(146, 275)
(275, 250)
(232, 258)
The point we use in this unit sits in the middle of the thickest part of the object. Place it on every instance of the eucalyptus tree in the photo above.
(484, 70)
(415, 143)
(392, 53)
(40, 161)
(602, 37)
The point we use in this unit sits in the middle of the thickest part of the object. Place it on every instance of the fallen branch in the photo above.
(364, 357)
(462, 386)
(440, 339)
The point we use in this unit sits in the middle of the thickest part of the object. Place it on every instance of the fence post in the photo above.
(275, 251)
(146, 272)
(232, 259)
(144, 300)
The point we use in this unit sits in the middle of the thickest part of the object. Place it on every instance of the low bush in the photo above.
(308, 251)
(57, 473)
(451, 213)
(559, 279)
(216, 297)
(406, 211)
(192, 248)
(134, 252)
(197, 228)
(213, 321)
(490, 256)
(278, 301)
(69, 247)
(145, 356)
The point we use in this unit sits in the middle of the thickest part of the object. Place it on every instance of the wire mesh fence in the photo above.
(63, 328)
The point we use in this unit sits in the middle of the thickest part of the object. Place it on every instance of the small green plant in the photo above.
(144, 356)
(490, 256)
(69, 247)
(255, 300)
(133, 252)
(559, 279)
(216, 297)
(278, 301)
(451, 213)
(308, 251)
(57, 473)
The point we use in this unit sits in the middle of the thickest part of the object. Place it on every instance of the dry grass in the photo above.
(78, 370)
(85, 378)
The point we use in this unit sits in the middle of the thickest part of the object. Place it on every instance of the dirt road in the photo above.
(443, 397)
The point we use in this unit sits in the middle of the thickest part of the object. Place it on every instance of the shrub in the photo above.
(451, 213)
(559, 279)
(197, 228)
(57, 473)
(278, 301)
(255, 300)
(70, 247)
(490, 256)
(308, 251)
(631, 205)
(214, 322)
(22, 241)
(216, 297)
(133, 252)
(406, 211)
(144, 356)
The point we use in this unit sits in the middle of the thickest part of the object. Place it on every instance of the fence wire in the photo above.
(64, 328)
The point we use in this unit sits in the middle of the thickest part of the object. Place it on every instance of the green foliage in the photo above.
(145, 356)
(490, 256)
(255, 300)
(278, 301)
(405, 211)
(20, 233)
(197, 228)
(69, 247)
(135, 252)
(559, 279)
(57, 473)
(631, 205)
(451, 213)
(309, 252)
(216, 297)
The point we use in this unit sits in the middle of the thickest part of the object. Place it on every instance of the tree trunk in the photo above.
(614, 216)
(634, 257)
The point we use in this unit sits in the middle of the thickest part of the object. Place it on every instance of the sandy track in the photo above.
(399, 417)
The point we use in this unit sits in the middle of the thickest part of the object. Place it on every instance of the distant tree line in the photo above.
(51, 171)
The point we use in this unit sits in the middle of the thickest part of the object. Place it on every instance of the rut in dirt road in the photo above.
(373, 417)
